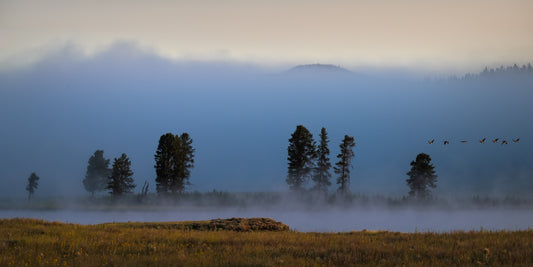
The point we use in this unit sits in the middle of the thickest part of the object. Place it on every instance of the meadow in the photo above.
(249, 242)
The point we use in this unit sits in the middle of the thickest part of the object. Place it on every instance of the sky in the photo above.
(439, 35)
(77, 76)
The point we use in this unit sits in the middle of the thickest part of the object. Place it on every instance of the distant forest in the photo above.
(307, 160)
(500, 71)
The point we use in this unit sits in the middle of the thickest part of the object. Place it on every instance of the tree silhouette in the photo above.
(174, 159)
(32, 184)
(345, 163)
(165, 162)
(301, 155)
(97, 173)
(321, 175)
(422, 177)
(185, 162)
(121, 181)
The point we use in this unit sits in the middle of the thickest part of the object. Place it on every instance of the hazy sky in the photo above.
(448, 35)
(55, 114)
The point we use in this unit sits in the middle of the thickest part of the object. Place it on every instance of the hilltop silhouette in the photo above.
(316, 68)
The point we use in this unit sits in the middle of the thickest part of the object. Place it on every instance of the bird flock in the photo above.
(482, 141)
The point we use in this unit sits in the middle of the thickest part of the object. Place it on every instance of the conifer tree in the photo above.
(301, 156)
(345, 163)
(121, 181)
(165, 162)
(32, 184)
(321, 176)
(174, 160)
(97, 173)
(184, 163)
(422, 177)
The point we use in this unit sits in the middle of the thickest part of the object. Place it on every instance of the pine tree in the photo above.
(344, 164)
(321, 176)
(174, 159)
(301, 156)
(97, 173)
(165, 162)
(121, 181)
(185, 162)
(32, 184)
(422, 177)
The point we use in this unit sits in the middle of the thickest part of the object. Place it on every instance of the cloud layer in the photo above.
(446, 35)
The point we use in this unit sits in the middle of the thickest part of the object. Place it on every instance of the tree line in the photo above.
(307, 161)
(174, 159)
(499, 71)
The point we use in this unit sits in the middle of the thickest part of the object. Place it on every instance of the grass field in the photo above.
(245, 242)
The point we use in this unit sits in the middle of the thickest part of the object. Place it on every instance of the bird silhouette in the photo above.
(464, 141)
(446, 142)
(516, 140)
(495, 140)
(431, 142)
(504, 142)
(482, 140)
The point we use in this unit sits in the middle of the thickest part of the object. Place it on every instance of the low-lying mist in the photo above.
(400, 220)
(307, 212)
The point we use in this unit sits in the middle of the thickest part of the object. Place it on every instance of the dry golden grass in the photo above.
(233, 224)
(36, 242)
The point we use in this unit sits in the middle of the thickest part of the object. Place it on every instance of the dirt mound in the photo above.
(233, 224)
(251, 224)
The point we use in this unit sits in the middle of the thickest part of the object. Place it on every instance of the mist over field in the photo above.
(56, 113)
(336, 220)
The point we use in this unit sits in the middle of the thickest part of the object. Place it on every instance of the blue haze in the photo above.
(56, 113)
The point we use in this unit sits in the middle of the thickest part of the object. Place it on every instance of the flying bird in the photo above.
(463, 141)
(495, 140)
(504, 142)
(482, 140)
(446, 142)
(516, 140)
(431, 142)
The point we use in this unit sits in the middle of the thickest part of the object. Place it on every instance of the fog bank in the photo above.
(402, 220)
(55, 114)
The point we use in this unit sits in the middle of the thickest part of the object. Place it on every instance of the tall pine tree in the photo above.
(185, 162)
(321, 175)
(121, 181)
(301, 156)
(344, 164)
(165, 160)
(422, 177)
(174, 159)
(97, 173)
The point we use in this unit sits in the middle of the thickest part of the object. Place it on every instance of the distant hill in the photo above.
(319, 68)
